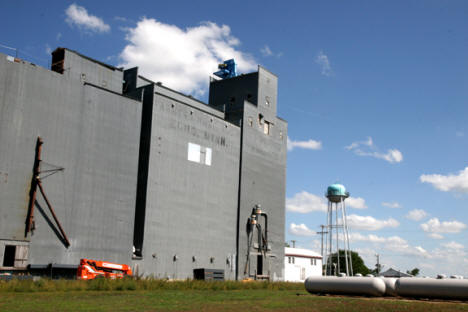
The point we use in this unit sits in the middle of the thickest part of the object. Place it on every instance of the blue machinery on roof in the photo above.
(227, 70)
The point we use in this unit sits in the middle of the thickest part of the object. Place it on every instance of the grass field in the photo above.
(154, 295)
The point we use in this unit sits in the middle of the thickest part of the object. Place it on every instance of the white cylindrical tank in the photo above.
(345, 285)
(390, 287)
(432, 288)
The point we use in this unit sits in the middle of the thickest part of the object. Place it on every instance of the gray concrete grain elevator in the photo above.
(148, 176)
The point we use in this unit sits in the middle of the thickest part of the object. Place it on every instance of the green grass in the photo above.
(47, 285)
(158, 295)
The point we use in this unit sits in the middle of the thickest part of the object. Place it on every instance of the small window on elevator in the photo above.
(9, 256)
(266, 127)
(58, 58)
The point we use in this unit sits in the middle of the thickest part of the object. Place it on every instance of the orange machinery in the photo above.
(90, 269)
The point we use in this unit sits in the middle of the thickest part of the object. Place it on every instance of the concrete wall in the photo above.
(263, 178)
(191, 207)
(250, 101)
(94, 135)
(80, 67)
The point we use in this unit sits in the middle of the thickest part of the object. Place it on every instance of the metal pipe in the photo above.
(337, 240)
(330, 238)
(266, 229)
(33, 191)
(345, 237)
(67, 242)
(259, 234)
(327, 235)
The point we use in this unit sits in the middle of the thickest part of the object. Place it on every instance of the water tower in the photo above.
(337, 236)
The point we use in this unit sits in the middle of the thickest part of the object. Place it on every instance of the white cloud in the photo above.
(435, 236)
(453, 245)
(388, 245)
(266, 51)
(310, 144)
(434, 227)
(48, 49)
(416, 214)
(450, 251)
(78, 16)
(355, 236)
(356, 202)
(391, 204)
(120, 18)
(305, 202)
(182, 59)
(58, 36)
(369, 223)
(368, 148)
(446, 183)
(324, 63)
(398, 253)
(355, 145)
(300, 230)
(421, 251)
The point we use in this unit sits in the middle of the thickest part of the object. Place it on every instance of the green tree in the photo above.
(357, 262)
(413, 272)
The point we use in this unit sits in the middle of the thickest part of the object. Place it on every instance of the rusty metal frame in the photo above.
(36, 182)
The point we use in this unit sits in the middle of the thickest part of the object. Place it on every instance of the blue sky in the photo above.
(389, 76)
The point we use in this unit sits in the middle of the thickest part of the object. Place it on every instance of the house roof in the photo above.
(300, 252)
(394, 273)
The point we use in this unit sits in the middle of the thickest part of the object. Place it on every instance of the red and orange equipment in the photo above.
(90, 269)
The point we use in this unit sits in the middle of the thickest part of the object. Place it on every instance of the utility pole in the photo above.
(378, 263)
(294, 243)
(321, 233)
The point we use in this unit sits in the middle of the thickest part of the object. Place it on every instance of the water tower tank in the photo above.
(336, 192)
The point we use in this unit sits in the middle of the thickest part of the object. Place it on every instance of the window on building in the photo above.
(313, 261)
(202, 155)
(291, 260)
(266, 127)
(9, 256)
(194, 152)
(267, 101)
(15, 256)
(199, 154)
(207, 160)
(250, 121)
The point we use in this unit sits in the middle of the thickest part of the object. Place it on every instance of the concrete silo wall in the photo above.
(90, 132)
(191, 206)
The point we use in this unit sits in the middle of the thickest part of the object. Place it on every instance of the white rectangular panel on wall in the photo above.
(193, 152)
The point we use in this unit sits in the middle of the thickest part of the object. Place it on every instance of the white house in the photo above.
(301, 263)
